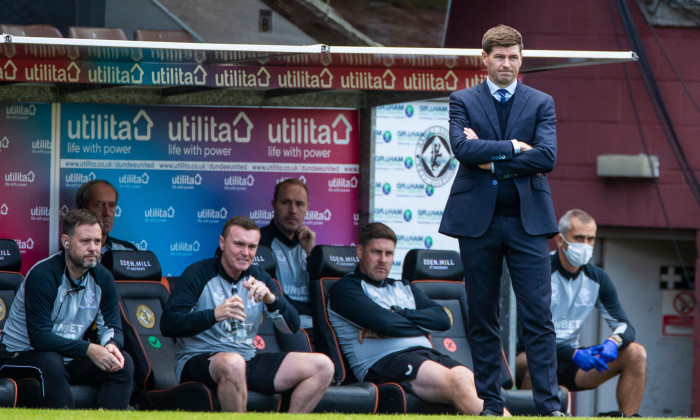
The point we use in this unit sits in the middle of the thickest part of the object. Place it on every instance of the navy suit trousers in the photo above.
(530, 270)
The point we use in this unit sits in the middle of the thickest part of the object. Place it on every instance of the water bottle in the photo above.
(237, 327)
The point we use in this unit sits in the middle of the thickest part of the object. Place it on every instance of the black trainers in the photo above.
(490, 413)
(555, 413)
(611, 414)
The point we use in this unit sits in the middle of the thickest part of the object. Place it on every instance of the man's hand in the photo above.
(608, 350)
(258, 291)
(307, 238)
(231, 308)
(104, 358)
(362, 334)
(486, 166)
(524, 147)
(470, 134)
(585, 359)
(116, 353)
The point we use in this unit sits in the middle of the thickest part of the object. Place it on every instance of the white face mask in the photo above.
(578, 254)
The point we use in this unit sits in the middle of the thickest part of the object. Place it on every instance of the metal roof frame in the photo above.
(73, 66)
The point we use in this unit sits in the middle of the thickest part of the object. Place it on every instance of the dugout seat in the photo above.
(143, 301)
(162, 35)
(142, 298)
(10, 279)
(27, 391)
(41, 30)
(326, 265)
(359, 399)
(439, 274)
(85, 32)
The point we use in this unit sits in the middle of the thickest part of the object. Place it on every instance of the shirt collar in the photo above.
(222, 272)
(370, 280)
(277, 232)
(557, 266)
(493, 87)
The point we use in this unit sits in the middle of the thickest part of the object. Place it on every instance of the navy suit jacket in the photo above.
(472, 200)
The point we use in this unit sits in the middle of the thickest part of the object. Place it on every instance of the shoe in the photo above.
(634, 415)
(611, 414)
(489, 412)
(555, 413)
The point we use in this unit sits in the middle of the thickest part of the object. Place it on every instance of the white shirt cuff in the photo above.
(516, 147)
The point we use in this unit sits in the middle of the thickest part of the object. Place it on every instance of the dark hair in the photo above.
(289, 181)
(565, 221)
(376, 231)
(82, 197)
(77, 217)
(501, 36)
(242, 221)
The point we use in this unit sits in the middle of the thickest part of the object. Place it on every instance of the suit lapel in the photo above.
(486, 100)
(519, 101)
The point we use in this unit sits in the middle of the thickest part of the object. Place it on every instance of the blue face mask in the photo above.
(577, 253)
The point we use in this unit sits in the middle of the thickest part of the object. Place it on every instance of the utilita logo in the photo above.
(4, 209)
(343, 182)
(320, 216)
(185, 246)
(109, 127)
(24, 245)
(307, 131)
(187, 180)
(41, 144)
(212, 214)
(40, 211)
(80, 178)
(260, 214)
(239, 181)
(20, 110)
(134, 179)
(5, 143)
(159, 213)
(20, 177)
(142, 245)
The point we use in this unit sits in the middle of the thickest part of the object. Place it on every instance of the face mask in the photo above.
(578, 254)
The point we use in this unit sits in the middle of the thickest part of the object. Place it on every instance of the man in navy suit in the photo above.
(503, 134)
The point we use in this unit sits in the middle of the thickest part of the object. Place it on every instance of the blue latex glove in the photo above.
(608, 351)
(585, 359)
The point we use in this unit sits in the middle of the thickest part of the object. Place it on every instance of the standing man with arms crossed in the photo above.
(503, 134)
(215, 312)
(292, 242)
(99, 197)
(578, 287)
(60, 299)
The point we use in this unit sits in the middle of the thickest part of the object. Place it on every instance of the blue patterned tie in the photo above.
(502, 93)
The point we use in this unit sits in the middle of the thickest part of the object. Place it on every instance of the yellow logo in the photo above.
(449, 313)
(145, 316)
(3, 309)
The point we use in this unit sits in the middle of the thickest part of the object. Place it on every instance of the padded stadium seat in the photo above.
(439, 274)
(142, 302)
(26, 392)
(142, 299)
(134, 265)
(265, 259)
(164, 35)
(10, 279)
(85, 32)
(346, 399)
(42, 30)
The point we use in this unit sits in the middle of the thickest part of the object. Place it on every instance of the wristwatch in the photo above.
(617, 339)
(396, 308)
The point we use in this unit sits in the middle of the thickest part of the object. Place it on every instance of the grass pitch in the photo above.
(35, 414)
